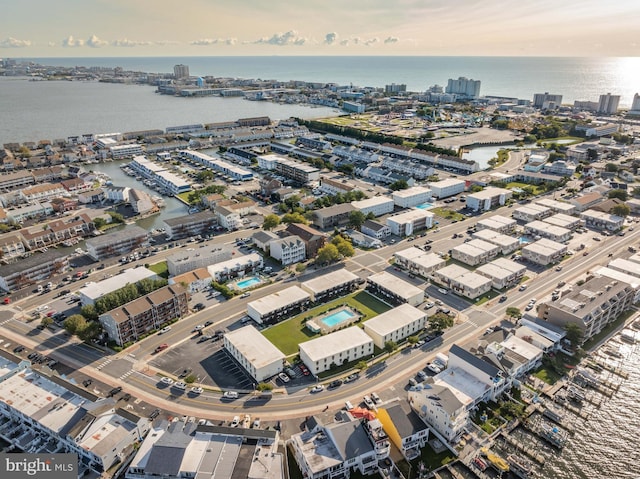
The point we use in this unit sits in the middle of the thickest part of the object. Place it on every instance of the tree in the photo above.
(328, 254)
(294, 218)
(574, 334)
(356, 219)
(611, 167)
(362, 365)
(190, 379)
(413, 339)
(46, 322)
(440, 321)
(399, 185)
(205, 175)
(475, 188)
(345, 248)
(390, 346)
(621, 210)
(619, 194)
(513, 312)
(270, 222)
(75, 323)
(99, 222)
(116, 217)
(91, 331)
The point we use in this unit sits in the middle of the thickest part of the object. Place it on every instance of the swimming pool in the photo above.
(425, 206)
(246, 283)
(524, 239)
(338, 317)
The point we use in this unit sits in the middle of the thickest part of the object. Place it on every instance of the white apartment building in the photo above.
(228, 218)
(396, 324)
(93, 291)
(544, 252)
(497, 223)
(475, 252)
(407, 223)
(414, 196)
(184, 260)
(502, 272)
(236, 267)
(564, 221)
(378, 205)
(288, 250)
(340, 347)
(394, 290)
(463, 282)
(125, 151)
(602, 221)
(255, 353)
(531, 212)
(445, 188)
(277, 306)
(557, 206)
(625, 266)
(488, 198)
(547, 230)
(507, 244)
(330, 285)
(376, 230)
(418, 262)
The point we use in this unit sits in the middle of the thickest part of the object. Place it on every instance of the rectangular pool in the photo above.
(246, 283)
(425, 206)
(337, 318)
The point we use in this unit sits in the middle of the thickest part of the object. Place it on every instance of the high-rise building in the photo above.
(464, 86)
(608, 103)
(393, 88)
(181, 71)
(546, 100)
(635, 106)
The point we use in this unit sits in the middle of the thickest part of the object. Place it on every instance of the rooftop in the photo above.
(281, 299)
(343, 340)
(446, 183)
(94, 291)
(394, 319)
(329, 280)
(545, 247)
(548, 228)
(33, 262)
(489, 193)
(115, 237)
(410, 215)
(395, 285)
(409, 192)
(497, 221)
(257, 349)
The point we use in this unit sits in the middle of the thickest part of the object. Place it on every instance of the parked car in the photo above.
(166, 329)
(376, 398)
(351, 377)
(283, 377)
(317, 389)
(335, 383)
(368, 402)
(236, 421)
(230, 395)
(180, 385)
(114, 391)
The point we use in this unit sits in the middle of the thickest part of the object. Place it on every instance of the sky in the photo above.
(118, 28)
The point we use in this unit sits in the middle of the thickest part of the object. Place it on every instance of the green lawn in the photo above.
(160, 269)
(288, 334)
(185, 197)
(446, 213)
(515, 184)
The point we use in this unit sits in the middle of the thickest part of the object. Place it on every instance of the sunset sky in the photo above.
(108, 28)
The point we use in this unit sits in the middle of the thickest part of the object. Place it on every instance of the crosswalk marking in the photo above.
(103, 364)
(127, 374)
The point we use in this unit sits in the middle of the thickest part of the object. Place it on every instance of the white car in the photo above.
(180, 385)
(236, 421)
(197, 390)
(434, 367)
(442, 290)
(166, 329)
(283, 377)
(317, 389)
(199, 327)
(166, 380)
(256, 423)
(430, 304)
(43, 307)
(522, 287)
(230, 395)
(368, 402)
(376, 398)
(246, 422)
(422, 375)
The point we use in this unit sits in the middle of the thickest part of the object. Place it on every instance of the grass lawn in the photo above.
(160, 269)
(515, 184)
(288, 334)
(446, 213)
(185, 197)
(429, 458)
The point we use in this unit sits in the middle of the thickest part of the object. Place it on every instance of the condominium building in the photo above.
(544, 252)
(42, 192)
(230, 169)
(255, 353)
(58, 231)
(417, 261)
(596, 303)
(181, 71)
(462, 281)
(377, 205)
(237, 267)
(409, 222)
(547, 100)
(497, 223)
(184, 260)
(502, 272)
(375, 230)
(16, 180)
(337, 215)
(93, 291)
(278, 306)
(564, 221)
(447, 187)
(28, 271)
(288, 250)
(475, 252)
(331, 285)
(608, 104)
(414, 196)
(488, 198)
(507, 244)
(196, 280)
(189, 225)
(312, 238)
(119, 152)
(531, 212)
(128, 323)
(12, 244)
(294, 170)
(547, 230)
(602, 221)
(117, 243)
(404, 428)
(395, 325)
(394, 290)
(463, 86)
(45, 414)
(335, 349)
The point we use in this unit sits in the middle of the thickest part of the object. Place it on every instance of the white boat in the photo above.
(520, 466)
(629, 336)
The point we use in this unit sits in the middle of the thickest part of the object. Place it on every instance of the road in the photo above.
(130, 368)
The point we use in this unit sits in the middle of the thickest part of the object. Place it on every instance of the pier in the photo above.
(528, 450)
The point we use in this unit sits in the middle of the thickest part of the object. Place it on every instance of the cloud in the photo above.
(331, 38)
(125, 42)
(344, 43)
(371, 41)
(95, 42)
(282, 39)
(51, 44)
(14, 43)
(214, 41)
(389, 40)
(72, 42)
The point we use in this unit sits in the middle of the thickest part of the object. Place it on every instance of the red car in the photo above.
(162, 347)
(7, 300)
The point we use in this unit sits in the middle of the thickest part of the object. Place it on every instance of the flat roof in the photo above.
(602, 216)
(625, 266)
(532, 209)
(32, 262)
(497, 221)
(94, 291)
(489, 193)
(464, 277)
(275, 301)
(538, 225)
(562, 220)
(329, 280)
(257, 349)
(334, 343)
(545, 246)
(446, 182)
(397, 286)
(556, 205)
(421, 258)
(394, 319)
(115, 237)
(410, 215)
(494, 237)
(413, 191)
(373, 201)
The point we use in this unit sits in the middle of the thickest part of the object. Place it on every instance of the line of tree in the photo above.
(122, 296)
(349, 131)
(339, 198)
(195, 197)
(430, 147)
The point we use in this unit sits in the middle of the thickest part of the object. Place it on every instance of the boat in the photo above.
(576, 394)
(479, 463)
(520, 466)
(629, 336)
(554, 413)
(496, 461)
(553, 435)
(636, 324)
